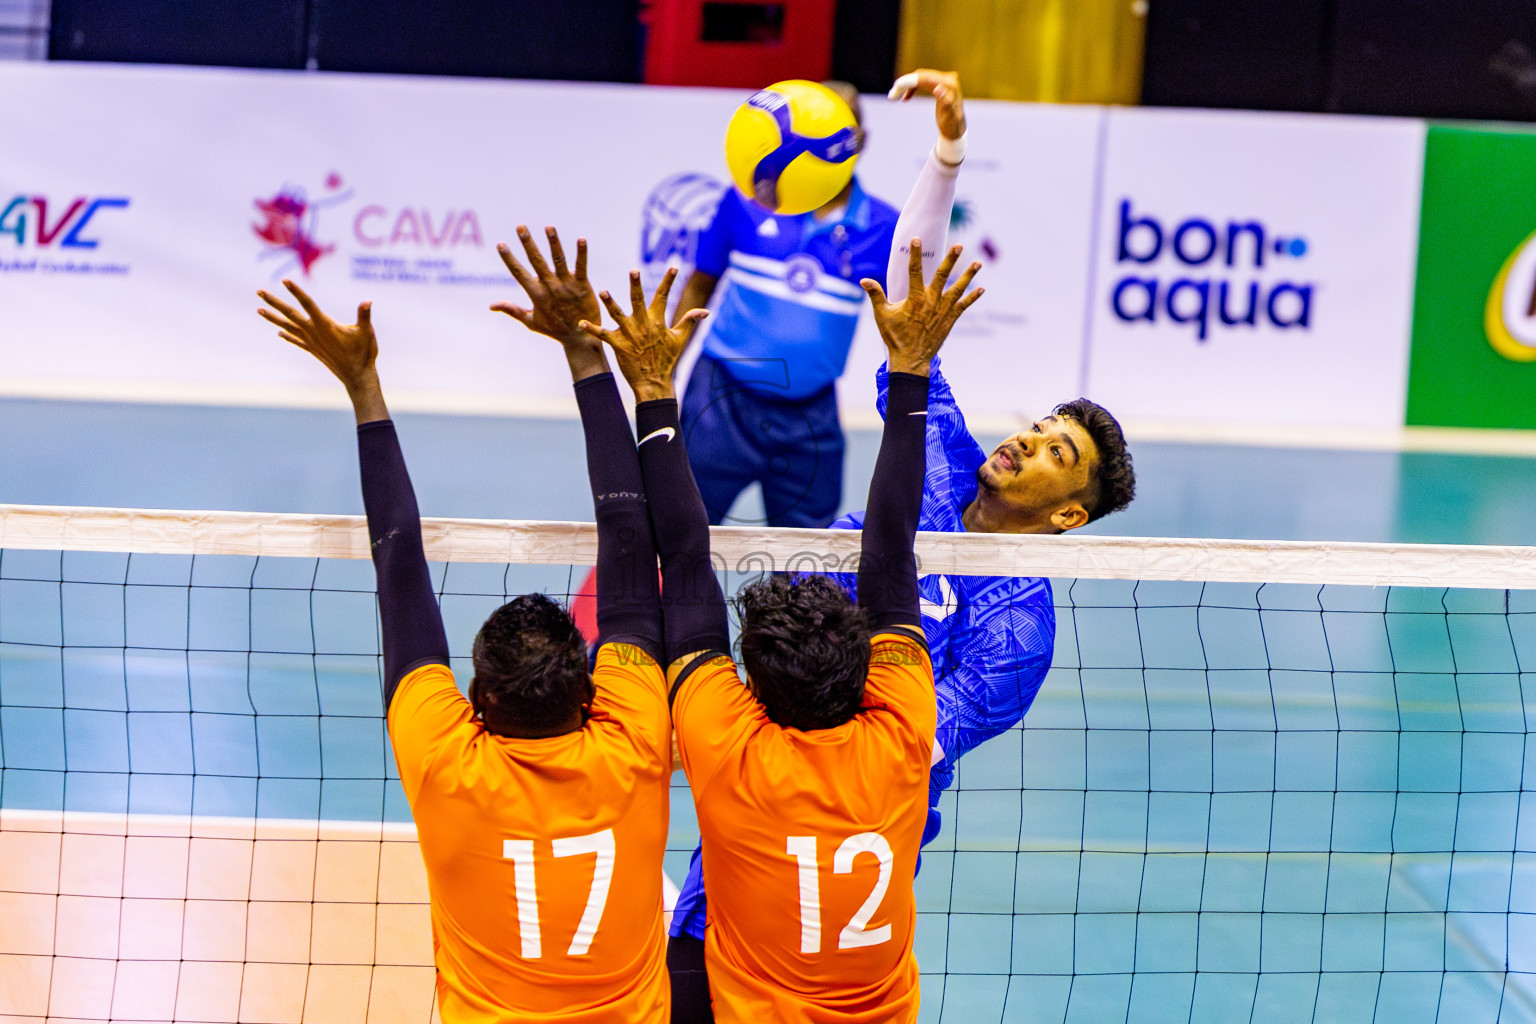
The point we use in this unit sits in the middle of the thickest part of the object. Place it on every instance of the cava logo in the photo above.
(1509, 316)
(409, 244)
(376, 226)
(1212, 276)
(291, 222)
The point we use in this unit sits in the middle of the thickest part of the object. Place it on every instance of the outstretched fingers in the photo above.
(557, 252)
(283, 322)
(969, 301)
(535, 258)
(518, 313)
(962, 282)
(304, 300)
(952, 312)
(915, 266)
(614, 311)
(875, 292)
(282, 307)
(658, 308)
(689, 322)
(636, 294)
(581, 259)
(519, 272)
(946, 267)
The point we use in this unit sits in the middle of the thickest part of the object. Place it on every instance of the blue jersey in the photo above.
(991, 637)
(788, 301)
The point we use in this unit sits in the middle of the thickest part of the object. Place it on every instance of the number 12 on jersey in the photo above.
(520, 853)
(854, 934)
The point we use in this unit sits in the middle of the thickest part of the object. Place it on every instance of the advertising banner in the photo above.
(143, 208)
(1234, 271)
(1474, 324)
(1255, 268)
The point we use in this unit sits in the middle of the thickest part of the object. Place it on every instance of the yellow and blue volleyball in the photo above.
(792, 146)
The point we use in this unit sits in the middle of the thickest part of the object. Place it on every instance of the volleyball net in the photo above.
(1266, 782)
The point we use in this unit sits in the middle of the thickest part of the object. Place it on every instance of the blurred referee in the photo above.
(761, 404)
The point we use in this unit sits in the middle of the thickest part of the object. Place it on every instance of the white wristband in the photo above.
(951, 151)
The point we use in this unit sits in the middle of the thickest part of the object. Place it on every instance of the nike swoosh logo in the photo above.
(923, 413)
(666, 432)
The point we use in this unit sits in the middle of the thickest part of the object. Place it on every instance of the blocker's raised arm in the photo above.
(412, 624)
(647, 350)
(628, 602)
(914, 330)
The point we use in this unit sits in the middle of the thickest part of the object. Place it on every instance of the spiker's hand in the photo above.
(949, 104)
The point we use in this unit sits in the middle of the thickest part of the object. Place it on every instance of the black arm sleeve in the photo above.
(887, 564)
(412, 623)
(692, 604)
(628, 598)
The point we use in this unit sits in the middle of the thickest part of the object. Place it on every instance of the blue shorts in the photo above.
(739, 435)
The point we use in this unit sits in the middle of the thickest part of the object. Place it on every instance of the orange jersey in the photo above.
(543, 855)
(810, 843)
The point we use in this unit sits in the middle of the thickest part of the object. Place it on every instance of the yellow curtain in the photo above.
(1058, 51)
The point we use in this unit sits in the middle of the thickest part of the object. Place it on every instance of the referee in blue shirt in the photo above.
(761, 404)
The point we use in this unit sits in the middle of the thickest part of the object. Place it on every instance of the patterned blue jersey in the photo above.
(991, 637)
(788, 302)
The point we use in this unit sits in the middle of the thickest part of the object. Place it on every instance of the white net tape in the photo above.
(143, 531)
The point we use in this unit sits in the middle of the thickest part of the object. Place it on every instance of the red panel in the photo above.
(677, 55)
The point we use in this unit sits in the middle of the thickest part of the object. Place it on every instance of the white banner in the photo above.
(141, 208)
(1256, 269)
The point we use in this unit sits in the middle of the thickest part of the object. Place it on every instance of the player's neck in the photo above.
(522, 731)
(984, 516)
(837, 205)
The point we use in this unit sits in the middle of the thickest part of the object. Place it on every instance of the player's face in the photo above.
(1042, 473)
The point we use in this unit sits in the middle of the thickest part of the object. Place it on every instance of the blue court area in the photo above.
(1230, 803)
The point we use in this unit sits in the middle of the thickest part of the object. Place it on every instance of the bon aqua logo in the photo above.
(1509, 313)
(1209, 275)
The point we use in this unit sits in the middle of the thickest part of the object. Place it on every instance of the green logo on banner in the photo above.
(1474, 324)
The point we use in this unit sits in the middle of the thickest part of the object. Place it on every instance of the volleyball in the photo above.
(792, 146)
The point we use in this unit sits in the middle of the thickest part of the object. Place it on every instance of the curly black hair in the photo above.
(1114, 483)
(530, 668)
(805, 645)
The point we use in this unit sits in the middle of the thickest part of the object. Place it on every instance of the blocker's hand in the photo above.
(949, 105)
(561, 299)
(646, 348)
(348, 350)
(914, 329)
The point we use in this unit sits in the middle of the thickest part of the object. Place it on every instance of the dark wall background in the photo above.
(1434, 58)
(588, 40)
(1425, 58)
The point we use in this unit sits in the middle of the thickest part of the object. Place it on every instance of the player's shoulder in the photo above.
(901, 647)
(707, 669)
(423, 679)
(618, 656)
